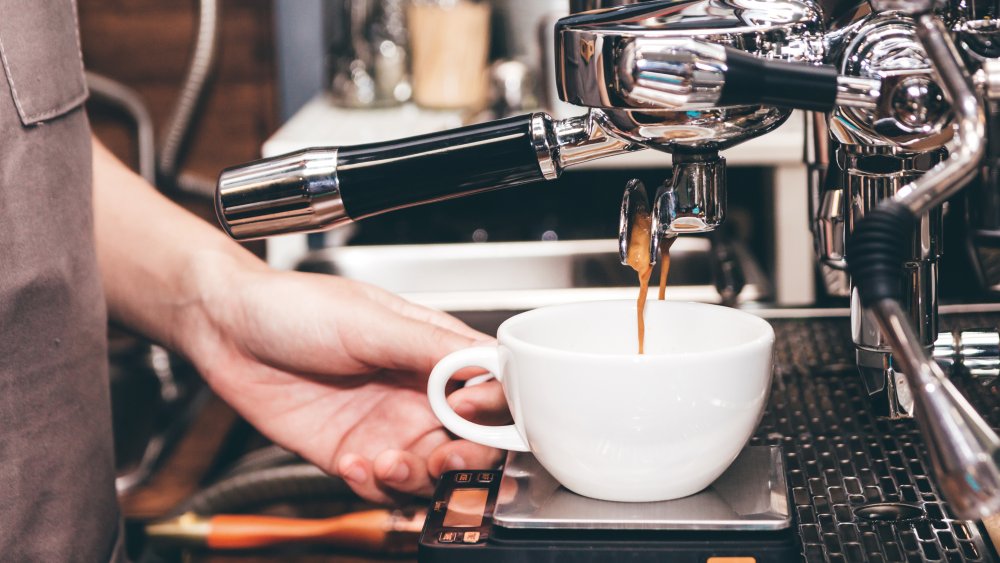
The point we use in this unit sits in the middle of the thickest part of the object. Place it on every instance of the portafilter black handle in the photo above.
(318, 189)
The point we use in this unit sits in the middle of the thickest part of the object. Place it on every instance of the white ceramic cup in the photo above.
(609, 423)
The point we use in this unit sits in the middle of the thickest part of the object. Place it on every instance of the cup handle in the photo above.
(502, 437)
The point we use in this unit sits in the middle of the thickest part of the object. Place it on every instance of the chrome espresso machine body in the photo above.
(901, 96)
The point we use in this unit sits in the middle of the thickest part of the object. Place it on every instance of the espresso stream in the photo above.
(638, 258)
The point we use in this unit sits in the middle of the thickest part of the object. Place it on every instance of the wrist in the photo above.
(212, 288)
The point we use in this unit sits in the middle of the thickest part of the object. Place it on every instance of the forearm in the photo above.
(154, 254)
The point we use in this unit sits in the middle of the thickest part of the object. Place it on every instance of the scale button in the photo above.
(448, 537)
(463, 478)
(470, 537)
(485, 478)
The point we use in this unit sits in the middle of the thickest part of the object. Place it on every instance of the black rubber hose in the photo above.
(289, 483)
(877, 249)
(263, 458)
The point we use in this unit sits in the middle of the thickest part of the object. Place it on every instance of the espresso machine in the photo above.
(883, 460)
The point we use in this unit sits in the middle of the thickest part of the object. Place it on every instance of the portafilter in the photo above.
(689, 77)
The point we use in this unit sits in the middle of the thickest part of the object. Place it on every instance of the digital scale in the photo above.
(523, 514)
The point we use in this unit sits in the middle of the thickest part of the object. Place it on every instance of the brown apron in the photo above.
(57, 500)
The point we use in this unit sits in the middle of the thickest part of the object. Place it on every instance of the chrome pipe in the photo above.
(963, 448)
(582, 139)
(922, 194)
(203, 57)
(132, 103)
(977, 351)
(857, 92)
(968, 146)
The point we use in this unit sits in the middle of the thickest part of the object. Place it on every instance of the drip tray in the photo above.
(861, 486)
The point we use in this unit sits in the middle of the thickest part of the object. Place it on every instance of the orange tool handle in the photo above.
(372, 530)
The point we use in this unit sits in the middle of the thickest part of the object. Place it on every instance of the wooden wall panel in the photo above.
(146, 44)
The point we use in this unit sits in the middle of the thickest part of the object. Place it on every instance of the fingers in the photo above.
(484, 403)
(415, 471)
(391, 341)
(461, 454)
(443, 320)
(324, 325)
(425, 314)
(357, 472)
(404, 472)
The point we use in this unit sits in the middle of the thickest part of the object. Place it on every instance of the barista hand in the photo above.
(332, 369)
(336, 371)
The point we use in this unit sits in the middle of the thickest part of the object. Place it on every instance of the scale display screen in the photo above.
(465, 508)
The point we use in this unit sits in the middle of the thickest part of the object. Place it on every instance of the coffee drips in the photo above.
(638, 259)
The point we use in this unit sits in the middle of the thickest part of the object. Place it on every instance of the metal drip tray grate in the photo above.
(851, 475)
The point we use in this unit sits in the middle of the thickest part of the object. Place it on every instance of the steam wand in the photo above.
(964, 450)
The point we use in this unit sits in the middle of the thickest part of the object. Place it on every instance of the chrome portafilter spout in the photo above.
(964, 450)
(692, 200)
